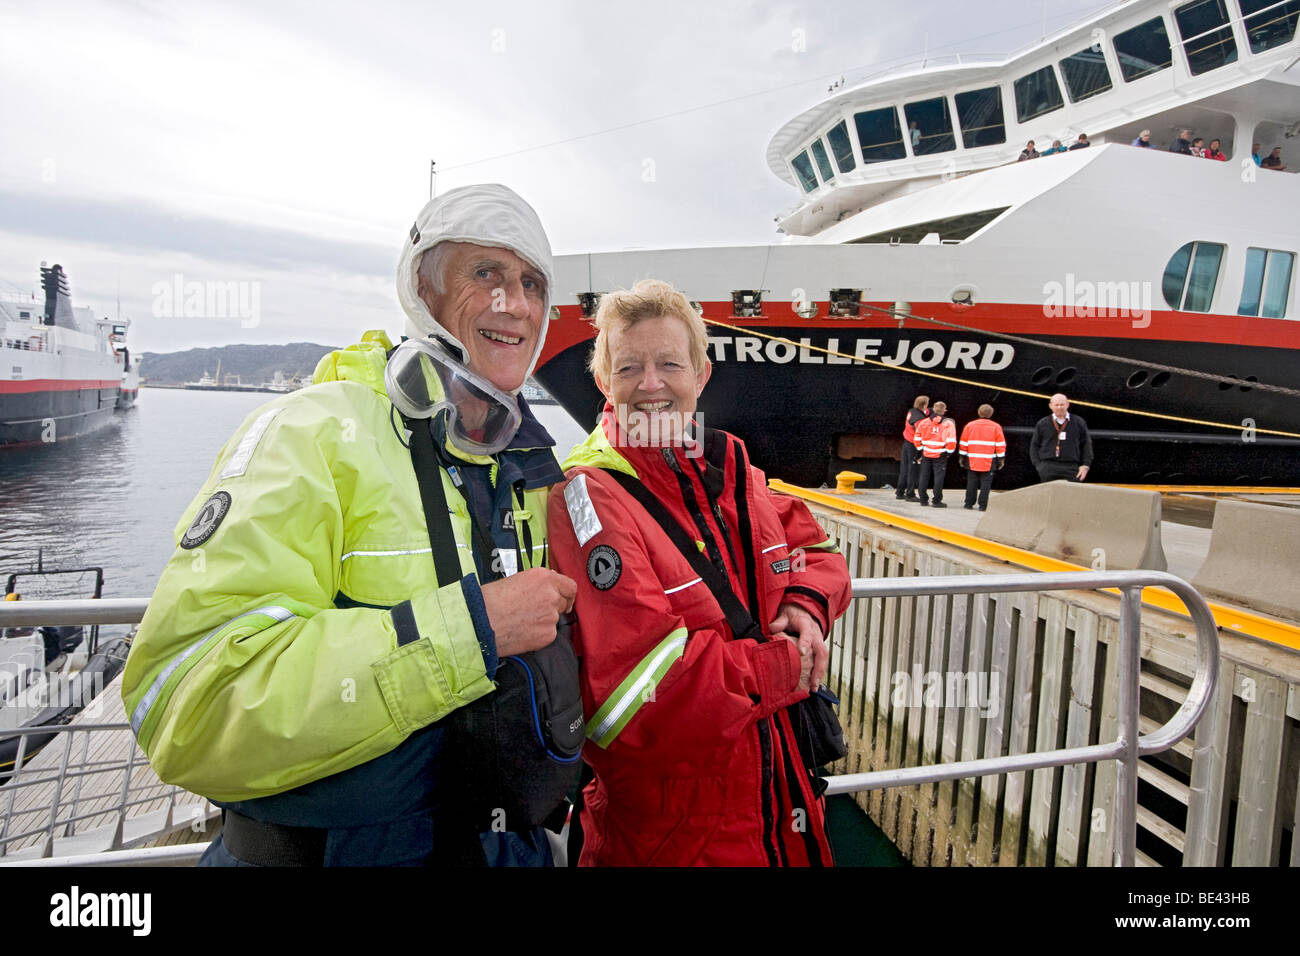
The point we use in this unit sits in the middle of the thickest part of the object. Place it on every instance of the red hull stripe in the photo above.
(1032, 319)
(54, 385)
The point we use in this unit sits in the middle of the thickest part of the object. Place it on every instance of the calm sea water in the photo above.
(112, 498)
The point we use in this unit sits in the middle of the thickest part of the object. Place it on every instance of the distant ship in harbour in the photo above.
(63, 372)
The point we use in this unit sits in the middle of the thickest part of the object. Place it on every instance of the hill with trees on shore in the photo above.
(247, 364)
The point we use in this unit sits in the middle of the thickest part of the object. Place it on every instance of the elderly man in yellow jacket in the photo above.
(299, 654)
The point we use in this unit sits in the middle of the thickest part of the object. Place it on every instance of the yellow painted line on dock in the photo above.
(1228, 618)
(1210, 489)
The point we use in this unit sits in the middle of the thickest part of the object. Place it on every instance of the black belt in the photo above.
(271, 844)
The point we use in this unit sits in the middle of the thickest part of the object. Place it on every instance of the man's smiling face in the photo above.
(493, 302)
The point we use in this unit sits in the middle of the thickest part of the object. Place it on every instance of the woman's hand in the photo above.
(798, 625)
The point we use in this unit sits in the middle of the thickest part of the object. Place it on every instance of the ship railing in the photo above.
(1128, 746)
(89, 792)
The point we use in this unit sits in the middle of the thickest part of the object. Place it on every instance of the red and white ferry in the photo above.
(62, 371)
(1156, 289)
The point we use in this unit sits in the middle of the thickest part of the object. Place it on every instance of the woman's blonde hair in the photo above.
(648, 299)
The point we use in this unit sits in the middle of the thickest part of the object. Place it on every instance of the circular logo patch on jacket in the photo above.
(207, 521)
(604, 567)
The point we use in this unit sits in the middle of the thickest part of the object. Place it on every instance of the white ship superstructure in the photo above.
(922, 257)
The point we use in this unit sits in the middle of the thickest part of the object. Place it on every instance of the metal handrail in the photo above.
(1126, 749)
(1129, 745)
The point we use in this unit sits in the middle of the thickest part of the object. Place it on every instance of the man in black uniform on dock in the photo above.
(1061, 447)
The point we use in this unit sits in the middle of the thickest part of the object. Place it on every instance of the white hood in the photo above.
(486, 215)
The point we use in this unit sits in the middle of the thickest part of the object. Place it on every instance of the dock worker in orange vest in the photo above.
(982, 451)
(936, 437)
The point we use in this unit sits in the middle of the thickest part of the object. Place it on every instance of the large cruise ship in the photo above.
(62, 371)
(921, 257)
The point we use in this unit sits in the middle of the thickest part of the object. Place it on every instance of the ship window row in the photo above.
(1205, 32)
(1193, 273)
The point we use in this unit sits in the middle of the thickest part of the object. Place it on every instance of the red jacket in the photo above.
(982, 442)
(913, 416)
(687, 729)
(936, 436)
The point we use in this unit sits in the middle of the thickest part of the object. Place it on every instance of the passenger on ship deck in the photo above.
(1215, 152)
(1056, 147)
(1198, 147)
(696, 646)
(1081, 142)
(1143, 139)
(1061, 446)
(982, 451)
(936, 439)
(1254, 154)
(909, 468)
(1028, 152)
(1274, 160)
(299, 655)
(1183, 144)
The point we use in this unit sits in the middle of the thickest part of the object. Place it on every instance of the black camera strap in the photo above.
(738, 616)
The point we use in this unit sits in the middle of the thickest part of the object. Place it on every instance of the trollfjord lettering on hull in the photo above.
(930, 353)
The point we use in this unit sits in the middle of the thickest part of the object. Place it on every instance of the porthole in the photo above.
(1224, 386)
(1160, 379)
(1041, 376)
(697, 306)
(1137, 379)
(555, 312)
(805, 310)
(1066, 375)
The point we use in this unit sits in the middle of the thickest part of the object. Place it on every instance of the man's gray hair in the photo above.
(431, 266)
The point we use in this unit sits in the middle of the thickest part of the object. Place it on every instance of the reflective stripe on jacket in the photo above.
(981, 442)
(935, 437)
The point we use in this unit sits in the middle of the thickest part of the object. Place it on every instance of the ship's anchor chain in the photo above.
(1235, 426)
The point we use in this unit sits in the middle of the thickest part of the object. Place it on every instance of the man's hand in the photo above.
(798, 625)
(1083, 472)
(525, 608)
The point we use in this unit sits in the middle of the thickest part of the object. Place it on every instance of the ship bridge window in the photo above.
(841, 147)
(1143, 49)
(1085, 73)
(1269, 23)
(980, 114)
(1267, 284)
(1036, 94)
(951, 228)
(1207, 35)
(934, 124)
(803, 169)
(1191, 276)
(823, 161)
(879, 135)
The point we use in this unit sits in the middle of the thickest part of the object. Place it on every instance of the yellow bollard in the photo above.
(845, 480)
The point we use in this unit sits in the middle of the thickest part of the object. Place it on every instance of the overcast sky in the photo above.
(287, 145)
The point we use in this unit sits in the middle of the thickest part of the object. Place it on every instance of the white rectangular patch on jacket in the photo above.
(238, 462)
(581, 511)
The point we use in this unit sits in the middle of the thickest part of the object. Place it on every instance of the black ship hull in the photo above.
(806, 415)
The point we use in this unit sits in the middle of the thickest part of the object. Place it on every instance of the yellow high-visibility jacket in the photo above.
(278, 648)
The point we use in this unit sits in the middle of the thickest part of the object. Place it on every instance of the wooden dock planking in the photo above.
(1258, 834)
(1053, 685)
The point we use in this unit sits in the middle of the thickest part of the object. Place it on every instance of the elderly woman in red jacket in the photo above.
(689, 726)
